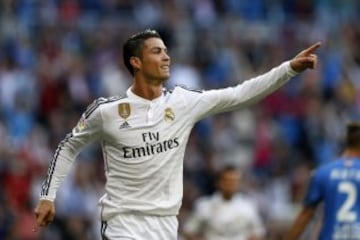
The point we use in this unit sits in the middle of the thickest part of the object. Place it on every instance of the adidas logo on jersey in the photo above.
(124, 125)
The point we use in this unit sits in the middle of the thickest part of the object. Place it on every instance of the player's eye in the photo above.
(156, 50)
(159, 50)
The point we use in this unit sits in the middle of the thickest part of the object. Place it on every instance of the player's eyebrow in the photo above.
(157, 48)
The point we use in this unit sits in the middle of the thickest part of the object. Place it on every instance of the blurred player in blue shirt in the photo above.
(337, 185)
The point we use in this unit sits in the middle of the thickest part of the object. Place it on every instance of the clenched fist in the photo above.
(44, 213)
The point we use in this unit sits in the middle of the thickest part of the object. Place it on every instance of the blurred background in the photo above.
(57, 56)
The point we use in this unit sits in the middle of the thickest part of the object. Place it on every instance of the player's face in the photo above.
(155, 61)
(229, 183)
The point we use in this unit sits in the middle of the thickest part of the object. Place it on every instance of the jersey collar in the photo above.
(130, 94)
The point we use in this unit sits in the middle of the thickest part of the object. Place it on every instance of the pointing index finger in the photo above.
(312, 48)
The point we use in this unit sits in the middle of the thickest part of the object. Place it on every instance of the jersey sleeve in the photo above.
(87, 130)
(314, 193)
(206, 103)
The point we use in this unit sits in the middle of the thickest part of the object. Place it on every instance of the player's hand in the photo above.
(44, 213)
(305, 59)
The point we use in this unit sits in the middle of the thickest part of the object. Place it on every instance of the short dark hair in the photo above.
(133, 46)
(352, 138)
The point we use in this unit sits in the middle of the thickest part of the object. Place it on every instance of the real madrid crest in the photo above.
(169, 115)
(124, 112)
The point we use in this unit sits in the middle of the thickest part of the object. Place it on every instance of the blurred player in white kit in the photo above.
(227, 214)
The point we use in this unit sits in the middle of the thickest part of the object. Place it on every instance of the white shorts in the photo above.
(140, 227)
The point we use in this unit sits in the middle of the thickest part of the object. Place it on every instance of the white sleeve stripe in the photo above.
(103, 229)
(46, 185)
(92, 107)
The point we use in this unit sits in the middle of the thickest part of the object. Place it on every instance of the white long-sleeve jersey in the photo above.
(143, 142)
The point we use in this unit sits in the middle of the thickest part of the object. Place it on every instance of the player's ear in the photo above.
(135, 62)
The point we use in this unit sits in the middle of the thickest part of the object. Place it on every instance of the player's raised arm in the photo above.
(252, 90)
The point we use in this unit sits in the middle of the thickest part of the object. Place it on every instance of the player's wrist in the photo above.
(291, 69)
(47, 198)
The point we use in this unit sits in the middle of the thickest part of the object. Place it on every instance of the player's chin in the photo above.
(165, 72)
(165, 76)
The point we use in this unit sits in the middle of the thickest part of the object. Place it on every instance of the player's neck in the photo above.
(146, 90)
(227, 197)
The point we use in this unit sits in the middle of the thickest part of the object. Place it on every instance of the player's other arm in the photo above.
(87, 130)
(300, 223)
